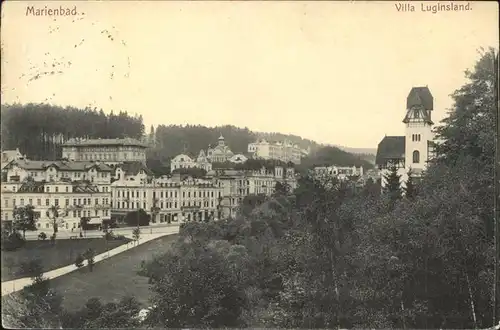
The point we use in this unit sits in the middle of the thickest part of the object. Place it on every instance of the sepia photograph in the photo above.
(250, 164)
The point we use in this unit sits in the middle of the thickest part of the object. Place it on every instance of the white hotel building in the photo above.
(109, 151)
(283, 151)
(74, 200)
(79, 189)
(168, 200)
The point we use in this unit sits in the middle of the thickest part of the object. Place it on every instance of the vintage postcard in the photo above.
(250, 164)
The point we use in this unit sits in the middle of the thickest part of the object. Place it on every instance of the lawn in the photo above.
(61, 254)
(113, 278)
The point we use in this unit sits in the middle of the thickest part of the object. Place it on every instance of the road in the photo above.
(16, 285)
(126, 231)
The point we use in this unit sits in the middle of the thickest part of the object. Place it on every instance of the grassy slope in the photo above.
(113, 278)
(61, 254)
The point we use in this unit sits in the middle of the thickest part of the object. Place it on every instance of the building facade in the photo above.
(237, 184)
(73, 200)
(96, 173)
(109, 151)
(168, 200)
(220, 153)
(413, 150)
(340, 172)
(283, 151)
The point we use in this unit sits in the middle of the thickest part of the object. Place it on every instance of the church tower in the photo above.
(419, 105)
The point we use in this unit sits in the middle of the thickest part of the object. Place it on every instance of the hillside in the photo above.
(38, 130)
(175, 139)
(172, 140)
(334, 156)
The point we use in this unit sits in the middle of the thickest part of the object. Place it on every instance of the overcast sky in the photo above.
(335, 72)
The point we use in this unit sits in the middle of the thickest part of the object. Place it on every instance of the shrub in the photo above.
(13, 241)
(79, 261)
(109, 235)
(89, 255)
(42, 236)
(32, 268)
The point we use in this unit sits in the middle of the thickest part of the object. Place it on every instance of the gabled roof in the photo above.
(391, 147)
(10, 154)
(104, 142)
(420, 96)
(32, 187)
(61, 165)
(133, 168)
(38, 187)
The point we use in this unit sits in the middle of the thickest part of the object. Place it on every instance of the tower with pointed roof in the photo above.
(418, 121)
(221, 141)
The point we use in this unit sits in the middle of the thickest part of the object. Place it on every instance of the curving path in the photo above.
(9, 287)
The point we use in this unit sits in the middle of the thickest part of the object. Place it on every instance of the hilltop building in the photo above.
(220, 153)
(415, 148)
(109, 151)
(284, 151)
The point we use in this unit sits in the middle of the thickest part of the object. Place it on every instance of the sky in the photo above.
(334, 72)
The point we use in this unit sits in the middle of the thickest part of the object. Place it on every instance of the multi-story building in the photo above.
(73, 201)
(237, 184)
(283, 151)
(109, 151)
(96, 172)
(416, 148)
(168, 199)
(135, 171)
(340, 172)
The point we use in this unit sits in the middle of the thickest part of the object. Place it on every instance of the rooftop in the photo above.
(104, 142)
(420, 96)
(61, 165)
(133, 168)
(391, 147)
(38, 187)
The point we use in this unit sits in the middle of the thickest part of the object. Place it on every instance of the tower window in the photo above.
(416, 157)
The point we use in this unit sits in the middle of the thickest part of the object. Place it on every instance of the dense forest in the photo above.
(175, 139)
(333, 155)
(328, 256)
(38, 130)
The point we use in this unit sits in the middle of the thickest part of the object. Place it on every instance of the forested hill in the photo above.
(175, 139)
(335, 156)
(38, 130)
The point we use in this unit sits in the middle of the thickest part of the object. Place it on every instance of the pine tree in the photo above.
(411, 189)
(393, 183)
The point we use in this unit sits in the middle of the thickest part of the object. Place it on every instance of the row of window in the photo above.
(166, 205)
(76, 201)
(415, 137)
(66, 174)
(166, 194)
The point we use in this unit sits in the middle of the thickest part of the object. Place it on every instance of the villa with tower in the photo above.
(415, 148)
